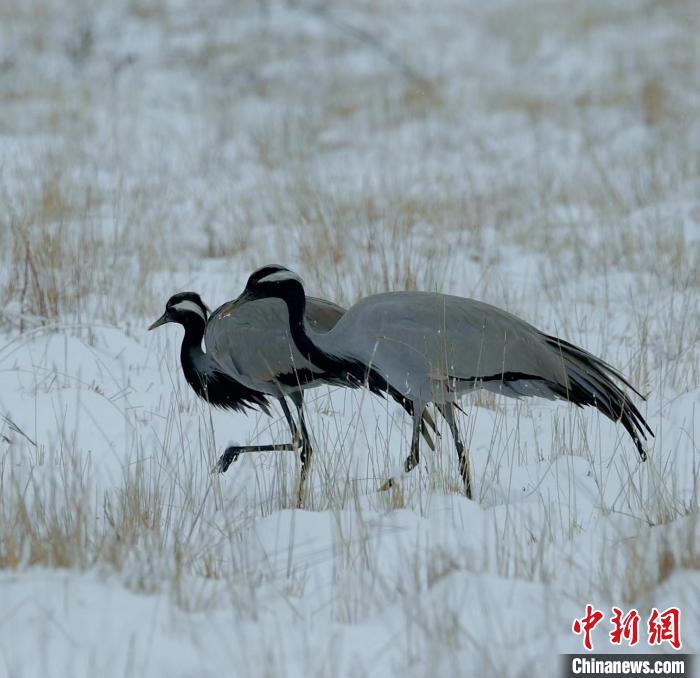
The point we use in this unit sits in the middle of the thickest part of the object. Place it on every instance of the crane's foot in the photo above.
(387, 485)
(230, 455)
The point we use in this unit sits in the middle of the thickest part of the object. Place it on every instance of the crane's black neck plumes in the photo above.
(352, 371)
(194, 333)
(295, 299)
(208, 380)
(192, 356)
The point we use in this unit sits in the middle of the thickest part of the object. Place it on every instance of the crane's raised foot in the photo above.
(230, 455)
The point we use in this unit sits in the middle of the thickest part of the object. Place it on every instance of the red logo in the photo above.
(662, 627)
(665, 627)
(626, 627)
(586, 624)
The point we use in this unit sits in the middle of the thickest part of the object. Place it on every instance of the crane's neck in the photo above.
(310, 344)
(192, 355)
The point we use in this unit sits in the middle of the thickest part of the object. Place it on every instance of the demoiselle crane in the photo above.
(242, 384)
(433, 348)
(252, 343)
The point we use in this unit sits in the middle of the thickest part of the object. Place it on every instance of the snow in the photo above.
(542, 160)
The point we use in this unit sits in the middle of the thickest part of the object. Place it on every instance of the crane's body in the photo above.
(253, 343)
(432, 348)
(257, 360)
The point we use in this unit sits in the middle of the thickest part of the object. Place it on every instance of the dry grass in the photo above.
(480, 164)
(649, 560)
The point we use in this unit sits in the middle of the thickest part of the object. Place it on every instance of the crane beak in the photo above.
(161, 321)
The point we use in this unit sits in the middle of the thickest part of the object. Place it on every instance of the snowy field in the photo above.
(542, 157)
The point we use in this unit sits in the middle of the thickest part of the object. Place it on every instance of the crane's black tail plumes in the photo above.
(590, 383)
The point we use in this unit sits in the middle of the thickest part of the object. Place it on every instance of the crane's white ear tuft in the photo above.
(187, 306)
(281, 276)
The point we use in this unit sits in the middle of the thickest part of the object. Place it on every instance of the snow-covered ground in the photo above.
(543, 158)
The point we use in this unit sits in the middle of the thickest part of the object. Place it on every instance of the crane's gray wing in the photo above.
(422, 341)
(322, 315)
(252, 341)
(432, 347)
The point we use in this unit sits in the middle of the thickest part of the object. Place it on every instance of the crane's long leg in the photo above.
(290, 420)
(414, 454)
(306, 449)
(232, 452)
(448, 411)
(427, 425)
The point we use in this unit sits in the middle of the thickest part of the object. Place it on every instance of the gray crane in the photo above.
(433, 348)
(252, 343)
(257, 362)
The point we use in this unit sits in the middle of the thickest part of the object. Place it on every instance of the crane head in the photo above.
(183, 308)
